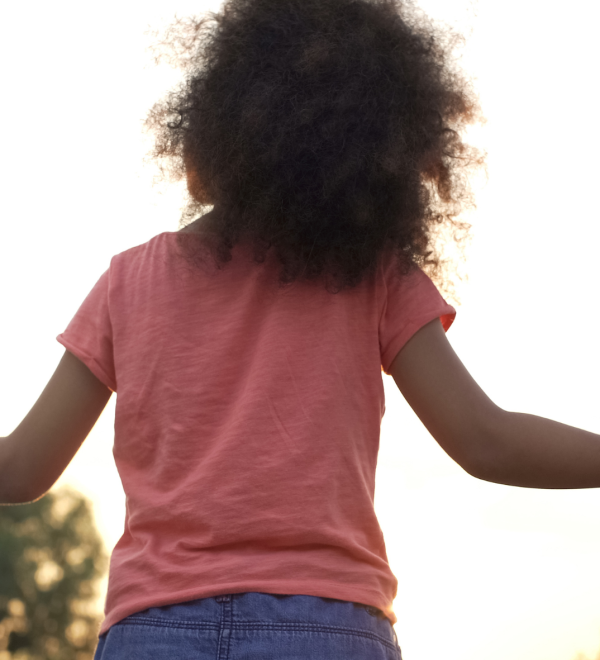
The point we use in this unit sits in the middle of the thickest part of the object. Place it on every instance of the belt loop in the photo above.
(223, 599)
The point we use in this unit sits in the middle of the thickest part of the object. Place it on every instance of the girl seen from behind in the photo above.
(323, 146)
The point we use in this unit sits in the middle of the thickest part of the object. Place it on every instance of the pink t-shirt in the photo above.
(247, 424)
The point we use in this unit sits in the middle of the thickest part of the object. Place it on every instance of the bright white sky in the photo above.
(485, 571)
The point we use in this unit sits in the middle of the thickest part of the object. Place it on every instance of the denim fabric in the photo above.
(253, 626)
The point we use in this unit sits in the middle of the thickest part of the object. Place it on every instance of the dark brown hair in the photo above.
(329, 130)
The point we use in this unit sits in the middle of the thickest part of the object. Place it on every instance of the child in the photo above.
(249, 389)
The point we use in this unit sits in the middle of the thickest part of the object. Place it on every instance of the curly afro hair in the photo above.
(329, 130)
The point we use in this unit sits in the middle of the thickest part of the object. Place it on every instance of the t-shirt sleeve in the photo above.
(89, 334)
(410, 303)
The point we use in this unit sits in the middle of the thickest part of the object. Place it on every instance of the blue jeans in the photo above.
(253, 626)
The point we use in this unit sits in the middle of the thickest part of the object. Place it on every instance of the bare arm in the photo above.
(541, 453)
(488, 442)
(38, 451)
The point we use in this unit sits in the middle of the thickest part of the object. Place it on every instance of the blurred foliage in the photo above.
(51, 560)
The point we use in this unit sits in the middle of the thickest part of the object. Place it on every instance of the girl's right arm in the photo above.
(488, 442)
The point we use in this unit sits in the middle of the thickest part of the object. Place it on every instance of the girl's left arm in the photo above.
(38, 451)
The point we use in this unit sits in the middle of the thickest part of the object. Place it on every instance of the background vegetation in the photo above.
(51, 559)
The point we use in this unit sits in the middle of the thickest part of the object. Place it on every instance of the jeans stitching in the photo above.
(283, 627)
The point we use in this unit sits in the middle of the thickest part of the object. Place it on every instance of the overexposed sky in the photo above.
(485, 571)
